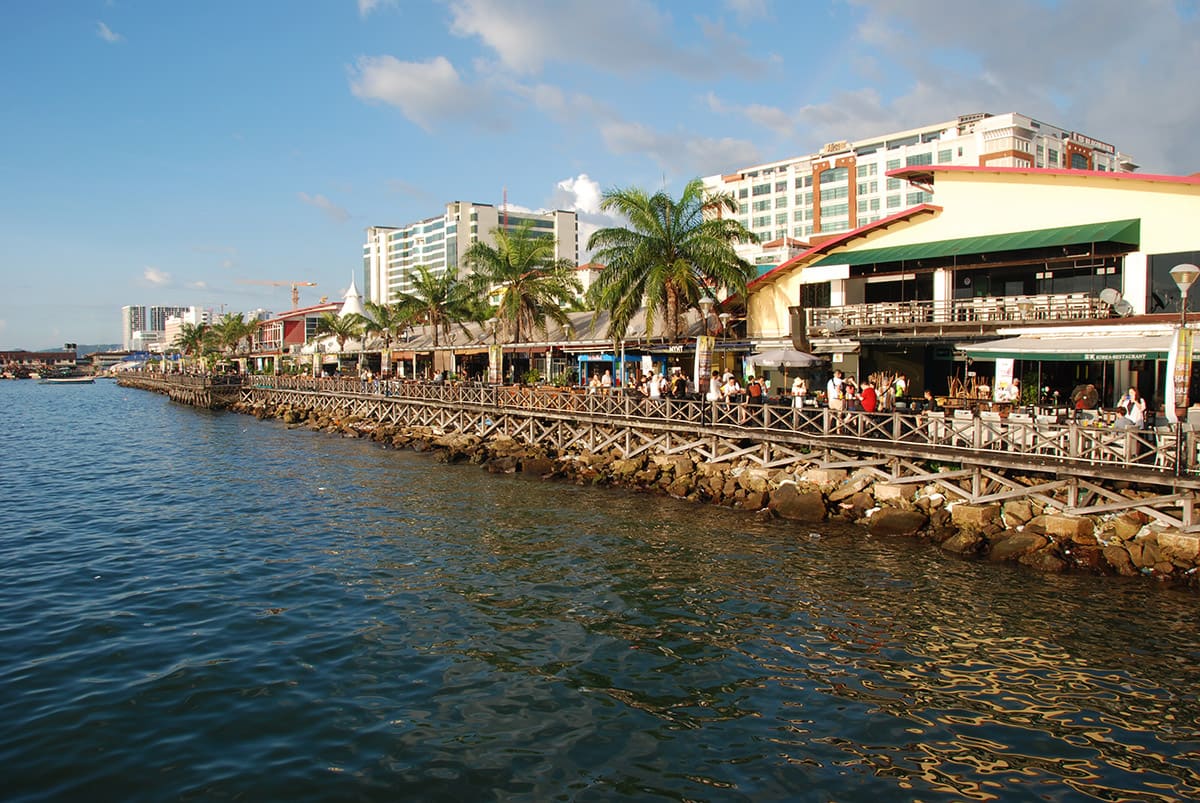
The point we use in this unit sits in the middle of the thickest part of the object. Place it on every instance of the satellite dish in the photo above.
(835, 325)
(1110, 296)
(1122, 308)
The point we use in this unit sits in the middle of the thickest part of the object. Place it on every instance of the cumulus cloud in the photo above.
(327, 206)
(427, 93)
(156, 277)
(527, 34)
(579, 193)
(198, 285)
(107, 34)
(365, 7)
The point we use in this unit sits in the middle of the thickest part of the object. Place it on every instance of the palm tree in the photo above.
(439, 301)
(385, 320)
(533, 285)
(191, 340)
(231, 330)
(671, 255)
(340, 327)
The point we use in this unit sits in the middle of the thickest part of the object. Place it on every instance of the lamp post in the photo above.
(1185, 276)
(706, 305)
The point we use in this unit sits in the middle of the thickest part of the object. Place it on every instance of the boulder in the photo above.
(1118, 558)
(975, 517)
(824, 476)
(1017, 512)
(540, 466)
(893, 521)
(964, 542)
(788, 502)
(887, 492)
(1181, 547)
(1067, 527)
(1013, 545)
(1044, 561)
(849, 488)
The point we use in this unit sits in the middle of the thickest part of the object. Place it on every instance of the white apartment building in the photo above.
(133, 320)
(392, 253)
(845, 184)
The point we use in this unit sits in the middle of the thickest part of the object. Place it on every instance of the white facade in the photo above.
(392, 253)
(844, 185)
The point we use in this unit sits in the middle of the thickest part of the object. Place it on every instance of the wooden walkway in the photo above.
(1079, 469)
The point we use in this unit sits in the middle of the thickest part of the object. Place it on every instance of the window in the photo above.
(762, 221)
(781, 219)
(781, 202)
(762, 189)
(835, 174)
(1079, 161)
(832, 193)
(743, 193)
(946, 155)
(1052, 158)
(743, 209)
(837, 225)
(863, 171)
(799, 199)
(834, 210)
(868, 187)
(780, 186)
(800, 214)
(915, 198)
(763, 205)
(874, 204)
(893, 202)
(893, 164)
(918, 159)
(894, 184)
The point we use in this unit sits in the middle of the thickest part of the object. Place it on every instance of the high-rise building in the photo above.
(133, 320)
(158, 317)
(392, 253)
(845, 184)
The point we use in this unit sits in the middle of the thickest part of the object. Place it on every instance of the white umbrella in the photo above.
(785, 358)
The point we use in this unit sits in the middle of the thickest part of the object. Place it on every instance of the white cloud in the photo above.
(156, 277)
(365, 7)
(325, 205)
(623, 36)
(747, 9)
(579, 194)
(107, 34)
(200, 285)
(427, 93)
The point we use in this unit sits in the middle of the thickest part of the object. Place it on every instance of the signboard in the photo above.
(495, 363)
(1179, 371)
(1004, 378)
(704, 354)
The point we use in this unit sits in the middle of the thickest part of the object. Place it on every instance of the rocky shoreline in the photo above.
(1023, 531)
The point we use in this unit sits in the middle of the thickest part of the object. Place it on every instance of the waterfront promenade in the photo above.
(980, 459)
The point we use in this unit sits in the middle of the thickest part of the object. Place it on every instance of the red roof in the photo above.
(929, 171)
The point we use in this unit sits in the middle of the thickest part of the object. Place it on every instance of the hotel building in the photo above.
(845, 185)
(392, 253)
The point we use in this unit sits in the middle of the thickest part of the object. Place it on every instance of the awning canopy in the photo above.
(1076, 348)
(784, 358)
(1127, 232)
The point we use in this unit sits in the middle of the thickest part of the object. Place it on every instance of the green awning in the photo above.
(1097, 348)
(1126, 232)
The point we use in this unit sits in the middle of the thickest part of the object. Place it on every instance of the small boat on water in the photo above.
(69, 379)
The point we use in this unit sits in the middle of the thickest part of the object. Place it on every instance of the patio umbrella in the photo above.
(785, 358)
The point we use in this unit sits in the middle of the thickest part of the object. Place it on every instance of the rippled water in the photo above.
(205, 606)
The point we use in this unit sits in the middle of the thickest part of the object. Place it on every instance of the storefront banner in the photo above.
(1004, 378)
(495, 362)
(704, 355)
(1179, 373)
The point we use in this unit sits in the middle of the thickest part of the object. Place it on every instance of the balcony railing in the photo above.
(998, 310)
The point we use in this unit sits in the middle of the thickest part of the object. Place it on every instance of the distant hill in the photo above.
(83, 350)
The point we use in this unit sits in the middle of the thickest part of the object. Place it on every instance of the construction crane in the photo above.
(294, 285)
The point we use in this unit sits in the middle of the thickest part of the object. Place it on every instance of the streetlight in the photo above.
(1185, 276)
(706, 305)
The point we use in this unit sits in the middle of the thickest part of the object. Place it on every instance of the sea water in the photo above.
(199, 605)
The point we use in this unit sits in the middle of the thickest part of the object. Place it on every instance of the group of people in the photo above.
(871, 394)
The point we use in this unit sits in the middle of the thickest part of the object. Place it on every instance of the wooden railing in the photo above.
(1047, 308)
(953, 436)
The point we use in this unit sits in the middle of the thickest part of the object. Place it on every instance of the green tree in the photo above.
(193, 339)
(532, 285)
(673, 253)
(439, 301)
(340, 327)
(384, 320)
(232, 330)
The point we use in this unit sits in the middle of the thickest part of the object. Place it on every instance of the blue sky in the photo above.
(157, 152)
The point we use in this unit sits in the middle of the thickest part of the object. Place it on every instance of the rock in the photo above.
(1118, 558)
(624, 469)
(849, 488)
(501, 465)
(1127, 526)
(755, 500)
(965, 542)
(788, 502)
(887, 492)
(541, 466)
(824, 476)
(1017, 512)
(1179, 546)
(1017, 545)
(893, 521)
(1069, 527)
(1044, 561)
(975, 516)
(681, 487)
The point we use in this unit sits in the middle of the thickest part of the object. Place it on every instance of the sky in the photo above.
(185, 153)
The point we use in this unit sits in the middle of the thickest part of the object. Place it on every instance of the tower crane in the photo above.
(294, 285)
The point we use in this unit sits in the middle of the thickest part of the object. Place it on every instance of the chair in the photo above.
(991, 430)
(1166, 442)
(1020, 432)
(962, 428)
(1051, 436)
(936, 426)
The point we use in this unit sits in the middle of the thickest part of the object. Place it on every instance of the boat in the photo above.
(67, 380)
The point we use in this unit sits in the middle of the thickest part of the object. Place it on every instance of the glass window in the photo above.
(762, 221)
(893, 202)
(1052, 158)
(763, 205)
(743, 209)
(781, 202)
(918, 159)
(1079, 161)
(894, 184)
(835, 174)
(780, 186)
(743, 193)
(893, 164)
(762, 189)
(834, 210)
(865, 170)
(915, 198)
(781, 219)
(837, 191)
(946, 155)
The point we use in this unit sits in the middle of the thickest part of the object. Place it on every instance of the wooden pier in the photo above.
(1077, 468)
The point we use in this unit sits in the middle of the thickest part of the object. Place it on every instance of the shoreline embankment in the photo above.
(1026, 531)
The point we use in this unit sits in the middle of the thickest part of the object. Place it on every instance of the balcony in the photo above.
(974, 313)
